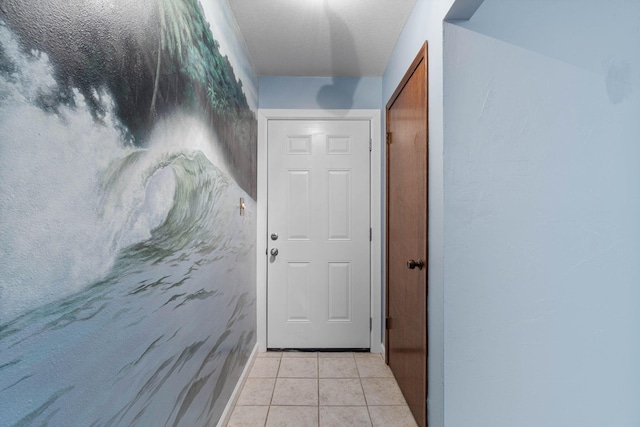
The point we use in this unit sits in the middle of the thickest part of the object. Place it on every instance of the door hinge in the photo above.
(388, 137)
(371, 234)
(387, 323)
(370, 324)
(370, 144)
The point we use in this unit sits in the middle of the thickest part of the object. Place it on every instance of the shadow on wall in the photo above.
(343, 49)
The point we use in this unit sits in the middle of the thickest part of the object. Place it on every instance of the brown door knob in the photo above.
(412, 264)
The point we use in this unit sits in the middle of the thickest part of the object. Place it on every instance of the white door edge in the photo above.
(374, 118)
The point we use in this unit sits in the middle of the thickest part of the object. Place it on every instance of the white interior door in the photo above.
(318, 229)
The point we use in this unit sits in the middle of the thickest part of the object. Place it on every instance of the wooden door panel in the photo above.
(407, 227)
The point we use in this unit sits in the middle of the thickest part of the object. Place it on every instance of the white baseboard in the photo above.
(226, 415)
(384, 352)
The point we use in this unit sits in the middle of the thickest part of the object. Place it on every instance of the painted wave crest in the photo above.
(76, 194)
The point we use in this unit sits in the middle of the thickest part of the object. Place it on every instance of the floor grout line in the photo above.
(339, 374)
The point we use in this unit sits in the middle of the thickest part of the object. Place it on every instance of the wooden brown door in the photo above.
(407, 218)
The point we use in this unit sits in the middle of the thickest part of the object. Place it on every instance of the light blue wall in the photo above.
(542, 208)
(320, 92)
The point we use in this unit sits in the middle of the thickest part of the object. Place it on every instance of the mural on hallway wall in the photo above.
(127, 275)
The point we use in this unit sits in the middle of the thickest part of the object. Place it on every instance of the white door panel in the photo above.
(318, 205)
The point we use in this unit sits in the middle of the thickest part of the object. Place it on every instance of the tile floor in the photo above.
(301, 389)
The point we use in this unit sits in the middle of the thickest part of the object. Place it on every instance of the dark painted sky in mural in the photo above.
(152, 56)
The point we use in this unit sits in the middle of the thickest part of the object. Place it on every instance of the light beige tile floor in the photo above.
(301, 389)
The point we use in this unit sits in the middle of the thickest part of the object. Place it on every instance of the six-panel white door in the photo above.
(318, 222)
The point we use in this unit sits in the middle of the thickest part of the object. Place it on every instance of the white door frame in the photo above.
(373, 116)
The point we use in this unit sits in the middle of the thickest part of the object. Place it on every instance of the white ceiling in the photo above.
(321, 37)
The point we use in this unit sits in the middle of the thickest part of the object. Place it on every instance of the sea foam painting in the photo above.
(127, 274)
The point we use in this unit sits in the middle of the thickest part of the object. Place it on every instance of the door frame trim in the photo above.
(375, 212)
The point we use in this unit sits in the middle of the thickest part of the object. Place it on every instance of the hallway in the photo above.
(320, 389)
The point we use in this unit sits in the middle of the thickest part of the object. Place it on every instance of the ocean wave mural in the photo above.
(127, 275)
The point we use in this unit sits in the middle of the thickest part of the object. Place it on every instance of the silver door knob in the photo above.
(274, 236)
(412, 264)
(274, 252)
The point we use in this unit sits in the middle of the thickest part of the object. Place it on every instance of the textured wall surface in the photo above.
(542, 237)
(127, 275)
